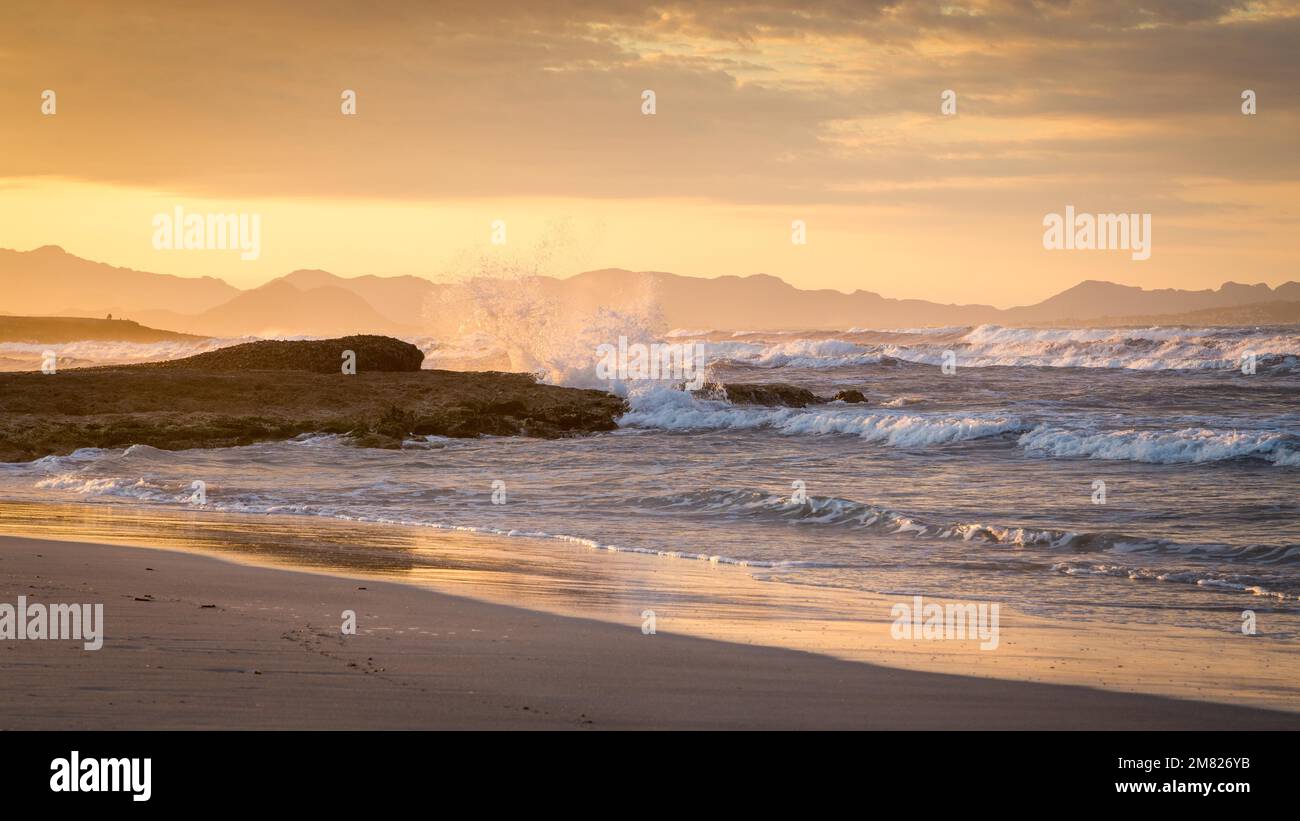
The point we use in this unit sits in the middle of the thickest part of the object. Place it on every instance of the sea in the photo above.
(1130, 475)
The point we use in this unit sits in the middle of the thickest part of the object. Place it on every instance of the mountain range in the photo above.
(49, 281)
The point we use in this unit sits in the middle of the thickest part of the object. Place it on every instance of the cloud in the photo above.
(758, 102)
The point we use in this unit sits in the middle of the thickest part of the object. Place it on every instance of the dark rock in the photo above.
(849, 396)
(194, 407)
(374, 354)
(772, 394)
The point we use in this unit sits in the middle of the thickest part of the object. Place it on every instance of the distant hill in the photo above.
(57, 329)
(400, 299)
(50, 281)
(319, 303)
(763, 302)
(1261, 313)
(278, 308)
(1093, 299)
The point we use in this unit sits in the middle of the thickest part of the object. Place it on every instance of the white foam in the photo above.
(1155, 348)
(798, 353)
(1189, 445)
(675, 410)
(1197, 577)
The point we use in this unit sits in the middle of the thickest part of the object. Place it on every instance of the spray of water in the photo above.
(507, 314)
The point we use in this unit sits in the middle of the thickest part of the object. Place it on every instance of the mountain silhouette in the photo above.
(49, 281)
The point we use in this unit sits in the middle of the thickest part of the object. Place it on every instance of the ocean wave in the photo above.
(58, 462)
(1154, 348)
(798, 353)
(1281, 588)
(845, 512)
(679, 411)
(1189, 445)
(1275, 350)
(673, 410)
(145, 475)
(749, 504)
(838, 512)
(142, 490)
(112, 486)
(903, 401)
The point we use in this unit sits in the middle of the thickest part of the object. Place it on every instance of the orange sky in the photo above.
(826, 112)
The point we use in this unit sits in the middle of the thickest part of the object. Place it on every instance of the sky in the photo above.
(826, 112)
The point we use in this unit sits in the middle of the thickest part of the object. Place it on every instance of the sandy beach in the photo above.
(196, 641)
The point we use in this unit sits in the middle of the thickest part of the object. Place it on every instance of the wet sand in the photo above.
(195, 641)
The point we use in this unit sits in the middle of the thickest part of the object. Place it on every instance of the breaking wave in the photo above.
(1189, 445)
(1279, 587)
(679, 411)
(1155, 348)
(846, 513)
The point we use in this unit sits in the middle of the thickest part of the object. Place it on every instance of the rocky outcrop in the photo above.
(851, 396)
(373, 354)
(208, 401)
(772, 394)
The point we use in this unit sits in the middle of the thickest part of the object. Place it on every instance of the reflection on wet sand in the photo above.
(695, 598)
(542, 574)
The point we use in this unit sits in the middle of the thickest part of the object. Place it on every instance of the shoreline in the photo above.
(197, 642)
(691, 598)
